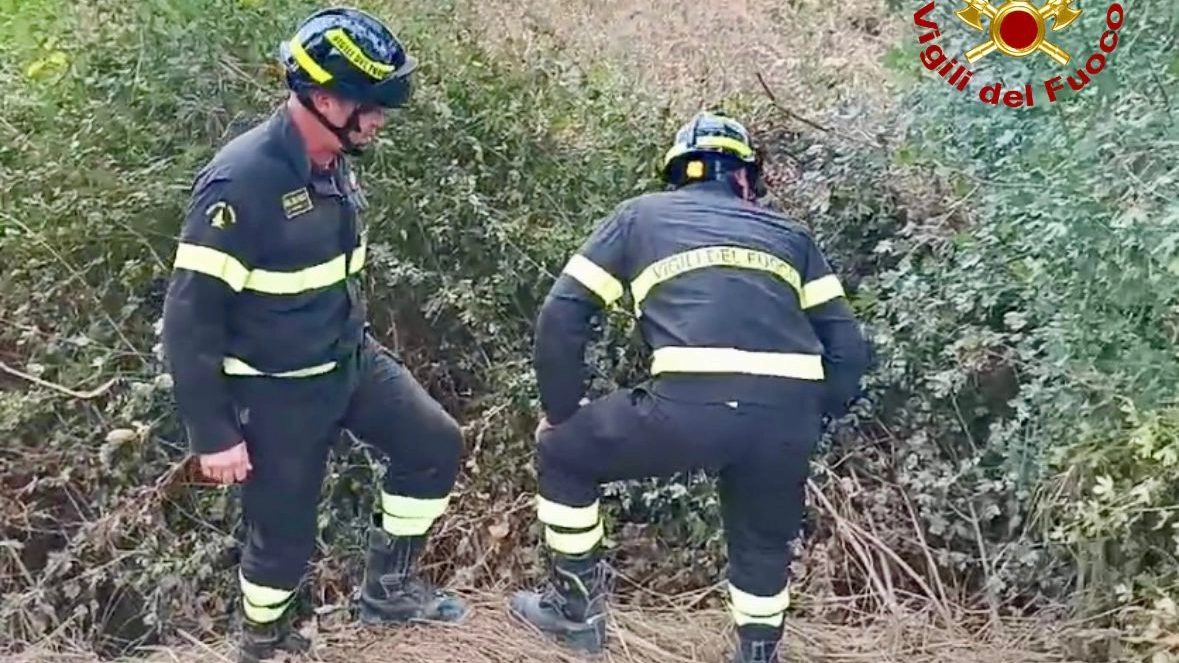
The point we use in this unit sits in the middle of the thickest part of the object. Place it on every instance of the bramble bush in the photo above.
(477, 192)
(1027, 307)
(1015, 446)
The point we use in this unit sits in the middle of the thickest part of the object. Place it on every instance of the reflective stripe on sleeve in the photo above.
(211, 262)
(748, 608)
(676, 359)
(821, 291)
(593, 277)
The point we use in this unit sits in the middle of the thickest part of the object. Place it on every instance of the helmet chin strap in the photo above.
(341, 133)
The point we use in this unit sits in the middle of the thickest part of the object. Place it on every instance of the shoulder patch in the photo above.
(353, 181)
(296, 202)
(220, 214)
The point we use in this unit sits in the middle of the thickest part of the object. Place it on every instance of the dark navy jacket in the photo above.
(736, 302)
(264, 279)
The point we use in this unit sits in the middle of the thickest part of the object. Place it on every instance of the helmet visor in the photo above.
(396, 90)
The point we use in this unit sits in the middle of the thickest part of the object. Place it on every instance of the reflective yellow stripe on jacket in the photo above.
(224, 267)
(235, 366)
(713, 359)
(810, 295)
(731, 360)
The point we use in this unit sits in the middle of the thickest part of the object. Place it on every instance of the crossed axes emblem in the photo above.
(1060, 11)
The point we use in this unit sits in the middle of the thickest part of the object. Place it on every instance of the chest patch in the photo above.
(296, 202)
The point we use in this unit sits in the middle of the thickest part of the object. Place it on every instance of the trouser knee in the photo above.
(560, 477)
(432, 466)
(567, 504)
(414, 497)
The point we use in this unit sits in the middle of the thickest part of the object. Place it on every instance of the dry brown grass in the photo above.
(813, 53)
(649, 636)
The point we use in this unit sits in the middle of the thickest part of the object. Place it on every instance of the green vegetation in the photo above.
(1018, 269)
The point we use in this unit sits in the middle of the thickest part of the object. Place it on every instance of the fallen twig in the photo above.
(81, 395)
(786, 111)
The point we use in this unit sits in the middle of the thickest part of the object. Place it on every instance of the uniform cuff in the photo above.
(212, 437)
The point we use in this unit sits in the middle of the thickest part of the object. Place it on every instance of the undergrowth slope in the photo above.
(1016, 447)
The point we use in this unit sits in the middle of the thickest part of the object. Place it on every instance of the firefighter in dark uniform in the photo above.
(267, 341)
(753, 342)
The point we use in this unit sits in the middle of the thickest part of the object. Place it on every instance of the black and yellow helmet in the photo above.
(709, 146)
(349, 53)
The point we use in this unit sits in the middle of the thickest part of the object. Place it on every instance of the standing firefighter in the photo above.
(752, 343)
(266, 334)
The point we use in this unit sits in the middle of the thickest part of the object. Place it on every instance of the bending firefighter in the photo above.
(753, 341)
(266, 336)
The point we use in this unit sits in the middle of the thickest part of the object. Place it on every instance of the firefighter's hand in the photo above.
(229, 466)
(543, 426)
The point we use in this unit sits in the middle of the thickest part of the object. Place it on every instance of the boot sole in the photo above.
(370, 617)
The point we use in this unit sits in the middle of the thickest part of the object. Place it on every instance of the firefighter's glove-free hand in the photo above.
(544, 425)
(229, 466)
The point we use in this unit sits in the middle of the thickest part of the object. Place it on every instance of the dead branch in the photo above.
(80, 395)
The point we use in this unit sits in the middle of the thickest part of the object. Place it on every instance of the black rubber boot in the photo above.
(261, 642)
(757, 643)
(572, 605)
(392, 593)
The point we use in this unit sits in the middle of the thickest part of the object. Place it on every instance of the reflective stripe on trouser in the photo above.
(410, 516)
(749, 608)
(570, 530)
(261, 604)
(761, 453)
